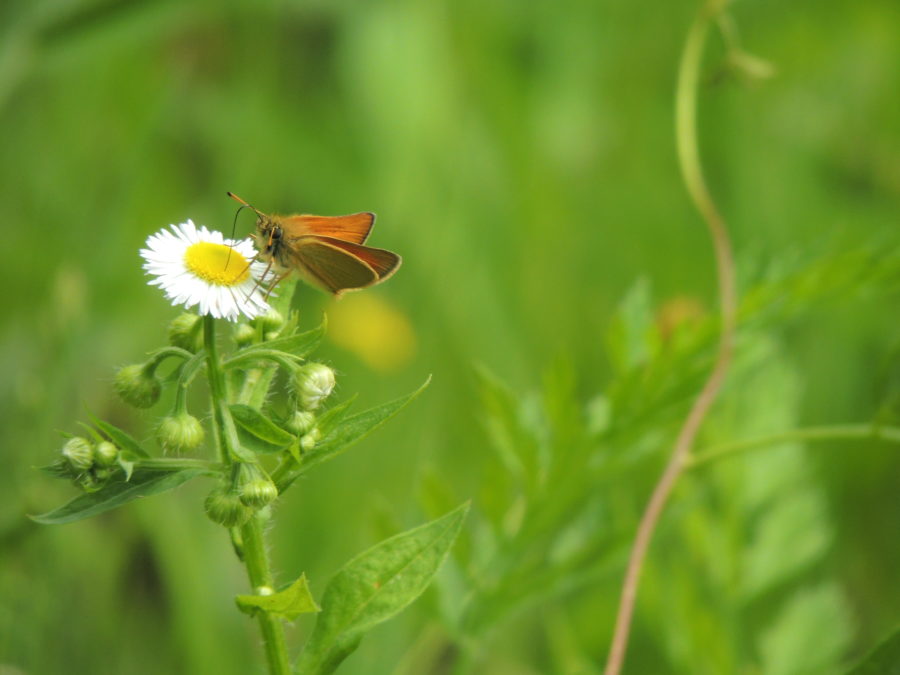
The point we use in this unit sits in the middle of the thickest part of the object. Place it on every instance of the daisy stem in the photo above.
(250, 546)
(257, 561)
(227, 443)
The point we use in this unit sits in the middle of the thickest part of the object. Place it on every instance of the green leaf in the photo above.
(355, 427)
(255, 423)
(299, 345)
(375, 586)
(329, 420)
(127, 460)
(59, 468)
(884, 659)
(119, 438)
(633, 339)
(288, 603)
(143, 483)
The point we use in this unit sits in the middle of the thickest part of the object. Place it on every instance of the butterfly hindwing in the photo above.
(330, 267)
(384, 262)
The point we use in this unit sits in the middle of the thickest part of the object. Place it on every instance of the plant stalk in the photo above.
(257, 562)
(692, 173)
(863, 432)
(251, 548)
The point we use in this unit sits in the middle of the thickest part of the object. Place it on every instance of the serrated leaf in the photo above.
(143, 483)
(119, 438)
(633, 339)
(884, 659)
(809, 633)
(355, 427)
(289, 603)
(256, 424)
(375, 586)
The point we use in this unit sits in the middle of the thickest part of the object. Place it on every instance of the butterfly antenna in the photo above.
(244, 205)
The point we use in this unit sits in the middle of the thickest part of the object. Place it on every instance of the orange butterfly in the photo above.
(326, 251)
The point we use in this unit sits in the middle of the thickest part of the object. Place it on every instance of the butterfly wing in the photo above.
(329, 267)
(382, 261)
(353, 228)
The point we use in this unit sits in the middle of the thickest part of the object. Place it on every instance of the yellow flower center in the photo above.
(217, 263)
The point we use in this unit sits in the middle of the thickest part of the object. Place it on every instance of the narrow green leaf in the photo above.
(375, 586)
(300, 344)
(127, 460)
(119, 438)
(255, 423)
(290, 603)
(250, 444)
(143, 483)
(329, 420)
(59, 468)
(884, 659)
(355, 427)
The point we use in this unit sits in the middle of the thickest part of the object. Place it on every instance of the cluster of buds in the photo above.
(88, 464)
(250, 489)
(264, 327)
(311, 385)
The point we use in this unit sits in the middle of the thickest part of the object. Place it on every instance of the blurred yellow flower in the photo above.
(374, 330)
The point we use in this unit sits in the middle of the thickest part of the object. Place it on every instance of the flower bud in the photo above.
(184, 333)
(255, 488)
(180, 432)
(308, 442)
(79, 453)
(313, 383)
(106, 453)
(138, 386)
(244, 334)
(270, 321)
(301, 422)
(223, 506)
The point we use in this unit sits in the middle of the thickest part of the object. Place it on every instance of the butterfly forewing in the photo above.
(330, 267)
(353, 228)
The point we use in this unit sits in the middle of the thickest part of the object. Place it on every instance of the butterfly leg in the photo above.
(275, 283)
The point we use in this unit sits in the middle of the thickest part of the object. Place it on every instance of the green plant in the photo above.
(262, 444)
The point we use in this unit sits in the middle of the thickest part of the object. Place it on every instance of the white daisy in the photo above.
(196, 266)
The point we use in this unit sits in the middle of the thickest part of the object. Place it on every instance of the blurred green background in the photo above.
(520, 157)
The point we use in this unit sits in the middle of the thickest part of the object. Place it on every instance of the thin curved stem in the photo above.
(825, 433)
(692, 172)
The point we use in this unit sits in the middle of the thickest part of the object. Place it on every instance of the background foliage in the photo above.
(520, 157)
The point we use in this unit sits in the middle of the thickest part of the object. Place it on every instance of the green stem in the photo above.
(257, 562)
(827, 433)
(227, 444)
(692, 173)
(175, 463)
(248, 541)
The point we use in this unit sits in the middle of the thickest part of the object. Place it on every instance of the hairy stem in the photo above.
(257, 561)
(692, 173)
(248, 542)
